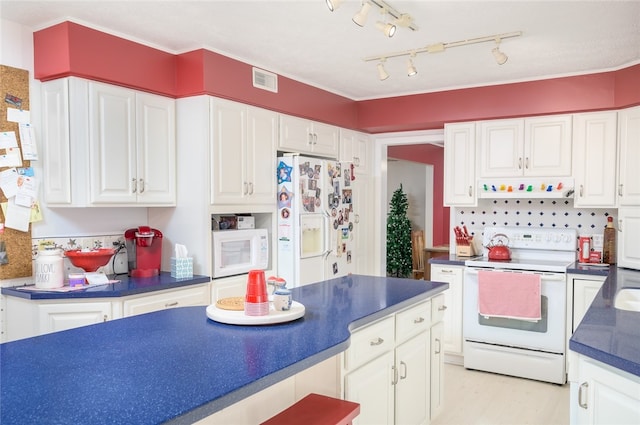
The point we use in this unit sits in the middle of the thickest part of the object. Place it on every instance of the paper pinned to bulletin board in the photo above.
(18, 185)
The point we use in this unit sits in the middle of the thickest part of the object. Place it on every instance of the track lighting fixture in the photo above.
(387, 28)
(399, 19)
(411, 69)
(333, 4)
(360, 18)
(500, 57)
(382, 73)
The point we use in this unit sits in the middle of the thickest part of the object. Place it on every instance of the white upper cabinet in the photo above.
(459, 164)
(354, 148)
(308, 137)
(131, 147)
(629, 152)
(243, 153)
(594, 159)
(538, 147)
(107, 145)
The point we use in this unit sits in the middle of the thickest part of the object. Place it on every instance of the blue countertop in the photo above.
(179, 366)
(608, 334)
(126, 286)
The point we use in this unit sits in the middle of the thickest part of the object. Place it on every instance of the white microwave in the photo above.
(238, 251)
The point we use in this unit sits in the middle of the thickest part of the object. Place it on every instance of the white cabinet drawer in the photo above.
(437, 308)
(412, 321)
(370, 342)
(191, 296)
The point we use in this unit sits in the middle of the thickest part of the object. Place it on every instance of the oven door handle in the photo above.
(546, 276)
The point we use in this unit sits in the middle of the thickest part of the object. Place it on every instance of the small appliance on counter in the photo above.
(144, 251)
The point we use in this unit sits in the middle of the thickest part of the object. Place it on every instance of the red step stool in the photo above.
(316, 409)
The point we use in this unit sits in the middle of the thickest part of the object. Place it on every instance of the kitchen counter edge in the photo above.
(125, 286)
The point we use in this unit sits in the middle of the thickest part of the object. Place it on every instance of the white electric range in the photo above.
(524, 348)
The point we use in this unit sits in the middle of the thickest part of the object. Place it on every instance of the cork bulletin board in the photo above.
(14, 88)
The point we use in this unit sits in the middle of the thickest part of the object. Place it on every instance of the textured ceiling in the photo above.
(303, 40)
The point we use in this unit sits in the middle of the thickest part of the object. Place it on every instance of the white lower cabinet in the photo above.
(162, 300)
(29, 318)
(389, 367)
(26, 318)
(60, 317)
(585, 288)
(452, 338)
(604, 395)
(437, 369)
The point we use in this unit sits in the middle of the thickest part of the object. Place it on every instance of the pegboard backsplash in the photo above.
(554, 213)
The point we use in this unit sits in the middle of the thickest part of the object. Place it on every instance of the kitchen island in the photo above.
(179, 366)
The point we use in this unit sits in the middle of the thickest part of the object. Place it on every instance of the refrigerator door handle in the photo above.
(327, 236)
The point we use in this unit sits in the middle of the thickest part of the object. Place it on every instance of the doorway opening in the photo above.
(381, 160)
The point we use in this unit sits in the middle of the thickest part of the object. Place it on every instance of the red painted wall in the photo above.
(433, 155)
(205, 72)
(553, 96)
(71, 49)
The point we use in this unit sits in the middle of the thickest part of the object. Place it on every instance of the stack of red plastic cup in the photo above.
(256, 302)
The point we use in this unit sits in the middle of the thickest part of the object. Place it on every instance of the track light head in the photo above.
(411, 69)
(382, 73)
(387, 29)
(333, 4)
(499, 56)
(360, 18)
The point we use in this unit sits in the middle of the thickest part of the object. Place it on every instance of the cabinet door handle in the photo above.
(105, 318)
(418, 320)
(376, 341)
(403, 375)
(520, 163)
(250, 188)
(526, 163)
(141, 185)
(620, 189)
(134, 184)
(619, 225)
(442, 307)
(356, 160)
(584, 387)
(309, 139)
(581, 191)
(470, 191)
(315, 139)
(245, 188)
(173, 304)
(439, 346)
(394, 381)
(357, 218)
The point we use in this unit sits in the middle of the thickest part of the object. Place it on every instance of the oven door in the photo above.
(547, 334)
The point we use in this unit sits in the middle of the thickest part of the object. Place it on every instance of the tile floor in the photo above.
(482, 398)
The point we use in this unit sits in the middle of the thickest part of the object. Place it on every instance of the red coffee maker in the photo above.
(144, 251)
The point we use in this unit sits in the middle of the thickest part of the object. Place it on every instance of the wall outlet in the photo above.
(120, 263)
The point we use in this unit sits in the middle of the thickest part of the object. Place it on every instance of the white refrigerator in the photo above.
(316, 222)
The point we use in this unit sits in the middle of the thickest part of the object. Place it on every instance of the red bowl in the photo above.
(90, 261)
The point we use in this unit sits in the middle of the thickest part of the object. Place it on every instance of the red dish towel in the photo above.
(510, 295)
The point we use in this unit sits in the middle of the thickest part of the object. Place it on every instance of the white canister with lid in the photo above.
(49, 269)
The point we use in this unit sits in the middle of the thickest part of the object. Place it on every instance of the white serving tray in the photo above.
(238, 317)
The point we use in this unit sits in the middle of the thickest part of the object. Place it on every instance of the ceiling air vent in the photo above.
(265, 80)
